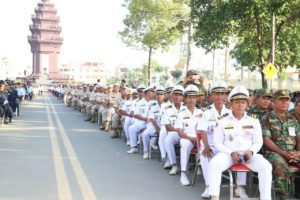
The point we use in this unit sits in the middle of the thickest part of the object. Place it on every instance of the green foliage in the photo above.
(153, 24)
(176, 74)
(217, 21)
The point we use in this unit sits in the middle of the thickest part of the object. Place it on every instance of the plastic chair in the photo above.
(233, 169)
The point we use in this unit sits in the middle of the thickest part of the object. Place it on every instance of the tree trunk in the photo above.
(260, 49)
(149, 66)
(189, 47)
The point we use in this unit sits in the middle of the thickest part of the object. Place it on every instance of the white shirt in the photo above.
(233, 135)
(142, 108)
(190, 122)
(211, 116)
(155, 112)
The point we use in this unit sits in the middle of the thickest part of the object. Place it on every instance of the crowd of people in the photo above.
(11, 96)
(257, 128)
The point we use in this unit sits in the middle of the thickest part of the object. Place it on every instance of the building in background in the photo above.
(86, 72)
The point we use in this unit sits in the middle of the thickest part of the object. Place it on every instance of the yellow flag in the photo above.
(270, 71)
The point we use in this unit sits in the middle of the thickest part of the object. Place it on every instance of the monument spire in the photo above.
(45, 40)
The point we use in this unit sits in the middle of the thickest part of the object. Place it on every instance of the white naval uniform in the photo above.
(126, 108)
(211, 115)
(189, 123)
(233, 135)
(155, 112)
(142, 108)
(169, 117)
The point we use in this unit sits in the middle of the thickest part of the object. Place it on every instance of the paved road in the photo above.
(49, 152)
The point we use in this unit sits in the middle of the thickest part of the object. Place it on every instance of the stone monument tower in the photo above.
(45, 41)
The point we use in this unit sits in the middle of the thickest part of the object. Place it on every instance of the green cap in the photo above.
(282, 94)
(263, 92)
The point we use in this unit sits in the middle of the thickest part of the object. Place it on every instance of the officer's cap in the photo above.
(116, 84)
(238, 92)
(191, 90)
(159, 90)
(263, 92)
(282, 94)
(201, 91)
(149, 88)
(141, 88)
(134, 91)
(169, 87)
(219, 86)
(129, 91)
(178, 89)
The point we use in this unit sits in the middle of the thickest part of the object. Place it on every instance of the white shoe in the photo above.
(128, 143)
(167, 164)
(184, 179)
(174, 170)
(240, 192)
(214, 198)
(133, 150)
(146, 155)
(154, 147)
(205, 194)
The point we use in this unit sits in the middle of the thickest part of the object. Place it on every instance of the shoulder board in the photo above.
(183, 104)
(182, 110)
(153, 104)
(168, 106)
(226, 106)
(205, 108)
(223, 116)
(252, 115)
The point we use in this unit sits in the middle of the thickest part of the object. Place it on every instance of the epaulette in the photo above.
(183, 109)
(252, 115)
(205, 108)
(223, 116)
(168, 106)
(226, 106)
(153, 104)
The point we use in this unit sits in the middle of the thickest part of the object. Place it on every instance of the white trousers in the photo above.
(134, 130)
(127, 124)
(171, 139)
(147, 135)
(258, 163)
(241, 178)
(161, 142)
(186, 147)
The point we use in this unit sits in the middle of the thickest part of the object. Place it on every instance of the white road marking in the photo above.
(82, 180)
(63, 187)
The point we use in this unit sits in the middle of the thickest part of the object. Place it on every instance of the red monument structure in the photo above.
(45, 41)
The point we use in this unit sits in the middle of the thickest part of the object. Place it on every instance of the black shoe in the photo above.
(9, 120)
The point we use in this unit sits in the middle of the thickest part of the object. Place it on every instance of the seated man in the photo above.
(208, 151)
(153, 122)
(186, 125)
(238, 138)
(281, 133)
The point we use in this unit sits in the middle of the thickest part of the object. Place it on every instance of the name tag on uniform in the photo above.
(292, 131)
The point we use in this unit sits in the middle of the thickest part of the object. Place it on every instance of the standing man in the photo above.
(239, 135)
(281, 133)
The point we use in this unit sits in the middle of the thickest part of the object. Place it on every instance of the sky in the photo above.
(90, 31)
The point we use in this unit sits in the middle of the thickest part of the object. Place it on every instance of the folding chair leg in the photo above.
(195, 173)
(231, 184)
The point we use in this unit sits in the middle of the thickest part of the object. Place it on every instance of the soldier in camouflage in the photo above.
(262, 102)
(281, 133)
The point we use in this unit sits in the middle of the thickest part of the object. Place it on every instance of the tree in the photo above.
(250, 21)
(152, 25)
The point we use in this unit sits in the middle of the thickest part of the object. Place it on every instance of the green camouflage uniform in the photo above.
(253, 110)
(278, 131)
